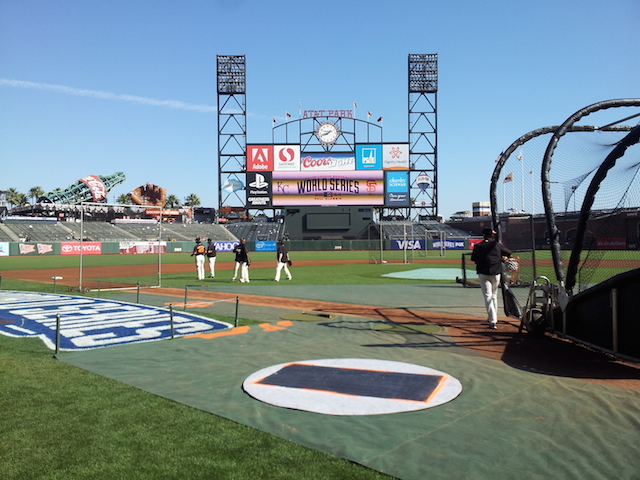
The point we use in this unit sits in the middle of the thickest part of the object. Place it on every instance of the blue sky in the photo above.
(505, 68)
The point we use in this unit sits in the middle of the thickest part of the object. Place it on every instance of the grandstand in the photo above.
(47, 229)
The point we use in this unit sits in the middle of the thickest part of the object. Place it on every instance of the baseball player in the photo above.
(211, 255)
(199, 251)
(283, 261)
(242, 262)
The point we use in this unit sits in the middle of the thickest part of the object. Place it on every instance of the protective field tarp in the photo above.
(507, 423)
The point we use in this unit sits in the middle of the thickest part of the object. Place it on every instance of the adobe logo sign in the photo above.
(286, 158)
(259, 158)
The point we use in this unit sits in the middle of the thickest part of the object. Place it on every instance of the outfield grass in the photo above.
(61, 422)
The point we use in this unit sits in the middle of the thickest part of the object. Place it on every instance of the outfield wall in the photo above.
(141, 247)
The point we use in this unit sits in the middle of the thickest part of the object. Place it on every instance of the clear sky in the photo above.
(100, 86)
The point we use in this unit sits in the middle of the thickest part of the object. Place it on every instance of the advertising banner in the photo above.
(395, 156)
(408, 245)
(265, 246)
(611, 243)
(449, 244)
(4, 249)
(73, 248)
(259, 158)
(259, 189)
(368, 157)
(328, 188)
(397, 189)
(225, 246)
(286, 158)
(323, 162)
(142, 247)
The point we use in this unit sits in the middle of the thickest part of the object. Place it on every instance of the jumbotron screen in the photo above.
(375, 174)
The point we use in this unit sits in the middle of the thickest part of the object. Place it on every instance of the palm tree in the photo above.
(124, 199)
(172, 201)
(21, 199)
(35, 193)
(13, 197)
(192, 200)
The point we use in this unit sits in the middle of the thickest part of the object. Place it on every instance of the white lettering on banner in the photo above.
(260, 155)
(409, 244)
(73, 248)
(90, 323)
(225, 246)
(327, 163)
(96, 187)
(398, 182)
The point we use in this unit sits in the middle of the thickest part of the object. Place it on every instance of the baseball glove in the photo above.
(149, 194)
(289, 262)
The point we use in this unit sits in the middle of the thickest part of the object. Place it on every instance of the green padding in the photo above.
(308, 316)
(506, 424)
(407, 328)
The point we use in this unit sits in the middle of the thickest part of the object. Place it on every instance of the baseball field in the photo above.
(114, 412)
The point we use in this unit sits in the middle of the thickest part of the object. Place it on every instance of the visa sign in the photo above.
(408, 245)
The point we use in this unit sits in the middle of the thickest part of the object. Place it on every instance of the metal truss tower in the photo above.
(232, 128)
(423, 135)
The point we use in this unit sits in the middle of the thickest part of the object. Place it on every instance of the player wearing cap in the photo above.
(487, 256)
(283, 261)
(242, 262)
(211, 255)
(198, 251)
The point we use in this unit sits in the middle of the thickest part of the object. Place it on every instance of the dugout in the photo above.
(328, 222)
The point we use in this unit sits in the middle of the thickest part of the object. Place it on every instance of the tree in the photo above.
(192, 200)
(21, 199)
(124, 199)
(13, 197)
(35, 193)
(172, 201)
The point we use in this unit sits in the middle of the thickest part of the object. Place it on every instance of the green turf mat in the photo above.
(507, 423)
(407, 328)
(308, 316)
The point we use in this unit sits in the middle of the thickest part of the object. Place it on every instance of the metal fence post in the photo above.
(171, 318)
(57, 333)
(237, 305)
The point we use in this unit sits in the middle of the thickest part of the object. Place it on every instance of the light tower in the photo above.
(423, 134)
(232, 127)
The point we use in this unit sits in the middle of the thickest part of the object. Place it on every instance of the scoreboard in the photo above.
(372, 175)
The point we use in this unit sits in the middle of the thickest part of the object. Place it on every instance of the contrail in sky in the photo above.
(108, 96)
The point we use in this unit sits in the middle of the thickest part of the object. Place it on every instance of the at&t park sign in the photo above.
(327, 113)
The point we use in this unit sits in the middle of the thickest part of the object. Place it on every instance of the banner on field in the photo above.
(4, 249)
(408, 245)
(449, 244)
(73, 248)
(225, 246)
(265, 246)
(611, 243)
(142, 247)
